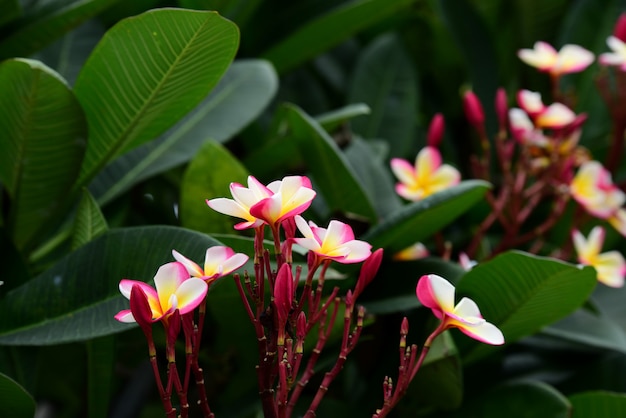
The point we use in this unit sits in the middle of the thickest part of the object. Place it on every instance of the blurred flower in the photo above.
(335, 243)
(617, 57)
(437, 293)
(593, 188)
(524, 130)
(258, 204)
(218, 261)
(435, 131)
(428, 176)
(610, 266)
(466, 263)
(474, 110)
(570, 59)
(414, 252)
(174, 290)
(531, 102)
(555, 116)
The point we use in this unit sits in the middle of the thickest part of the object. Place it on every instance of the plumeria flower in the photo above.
(570, 59)
(617, 56)
(524, 130)
(414, 252)
(335, 243)
(218, 261)
(437, 293)
(593, 188)
(174, 290)
(466, 263)
(531, 102)
(555, 116)
(610, 266)
(426, 177)
(258, 204)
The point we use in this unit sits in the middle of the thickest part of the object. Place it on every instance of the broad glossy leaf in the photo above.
(100, 369)
(209, 176)
(45, 23)
(386, 81)
(76, 299)
(522, 293)
(10, 10)
(333, 175)
(15, 402)
(89, 222)
(241, 95)
(330, 29)
(417, 221)
(146, 73)
(598, 404)
(43, 143)
(335, 118)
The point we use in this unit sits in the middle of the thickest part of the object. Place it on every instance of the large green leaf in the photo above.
(15, 402)
(240, 96)
(521, 293)
(10, 10)
(209, 176)
(89, 222)
(43, 143)
(76, 299)
(330, 29)
(418, 220)
(334, 177)
(598, 404)
(334, 119)
(43, 24)
(145, 74)
(385, 80)
(100, 368)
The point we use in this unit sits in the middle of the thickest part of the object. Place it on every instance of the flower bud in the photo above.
(502, 109)
(140, 308)
(474, 111)
(283, 294)
(620, 28)
(435, 131)
(368, 271)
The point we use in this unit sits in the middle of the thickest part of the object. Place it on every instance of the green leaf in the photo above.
(419, 220)
(245, 90)
(100, 366)
(598, 404)
(15, 402)
(521, 293)
(89, 222)
(146, 73)
(334, 177)
(332, 120)
(44, 131)
(238, 11)
(385, 80)
(10, 10)
(201, 182)
(44, 24)
(331, 29)
(77, 298)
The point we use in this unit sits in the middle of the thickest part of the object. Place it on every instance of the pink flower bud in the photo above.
(301, 326)
(620, 28)
(404, 328)
(140, 307)
(283, 294)
(368, 271)
(474, 110)
(435, 131)
(173, 326)
(502, 108)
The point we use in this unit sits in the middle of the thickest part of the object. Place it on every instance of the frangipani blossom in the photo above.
(218, 261)
(426, 177)
(531, 102)
(466, 263)
(555, 116)
(437, 293)
(174, 290)
(617, 56)
(258, 204)
(414, 252)
(570, 59)
(610, 266)
(593, 188)
(335, 243)
(523, 129)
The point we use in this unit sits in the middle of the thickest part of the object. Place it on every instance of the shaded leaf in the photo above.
(240, 96)
(598, 404)
(521, 293)
(209, 176)
(330, 29)
(100, 367)
(10, 10)
(65, 304)
(385, 80)
(334, 119)
(419, 220)
(89, 222)
(15, 402)
(145, 74)
(44, 131)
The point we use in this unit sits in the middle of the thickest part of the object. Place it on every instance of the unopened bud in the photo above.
(368, 271)
(502, 109)
(474, 111)
(140, 308)
(620, 28)
(283, 294)
(301, 326)
(435, 131)
(404, 327)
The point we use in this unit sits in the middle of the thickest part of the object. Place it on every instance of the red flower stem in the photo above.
(244, 299)
(316, 315)
(320, 286)
(283, 388)
(170, 412)
(306, 292)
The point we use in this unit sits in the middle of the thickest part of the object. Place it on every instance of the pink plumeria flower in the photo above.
(437, 293)
(414, 252)
(174, 290)
(335, 243)
(524, 130)
(555, 116)
(570, 59)
(617, 56)
(426, 177)
(531, 102)
(258, 204)
(610, 266)
(593, 188)
(466, 263)
(218, 261)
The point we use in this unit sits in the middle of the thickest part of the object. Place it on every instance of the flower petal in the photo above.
(543, 56)
(572, 59)
(618, 221)
(435, 292)
(125, 316)
(404, 171)
(611, 268)
(467, 312)
(190, 294)
(427, 161)
(192, 268)
(555, 116)
(486, 333)
(167, 279)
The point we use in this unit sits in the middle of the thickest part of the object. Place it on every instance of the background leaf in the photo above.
(89, 222)
(598, 405)
(10, 10)
(245, 90)
(44, 132)
(76, 299)
(145, 74)
(15, 402)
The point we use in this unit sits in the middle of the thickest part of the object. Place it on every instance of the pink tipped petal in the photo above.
(192, 268)
(486, 333)
(404, 171)
(414, 252)
(410, 193)
(357, 251)
(542, 56)
(573, 59)
(611, 267)
(530, 101)
(229, 207)
(426, 162)
(309, 244)
(445, 177)
(190, 294)
(267, 209)
(618, 221)
(126, 287)
(556, 116)
(233, 263)
(580, 245)
(125, 316)
(426, 296)
(467, 312)
(167, 279)
(441, 292)
(337, 234)
(259, 190)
